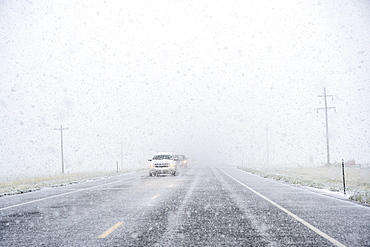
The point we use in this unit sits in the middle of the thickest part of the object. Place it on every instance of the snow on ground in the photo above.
(25, 185)
(326, 180)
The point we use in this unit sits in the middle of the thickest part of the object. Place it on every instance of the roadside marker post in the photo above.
(344, 180)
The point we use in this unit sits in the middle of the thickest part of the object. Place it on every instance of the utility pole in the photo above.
(61, 143)
(267, 145)
(122, 154)
(327, 124)
(251, 155)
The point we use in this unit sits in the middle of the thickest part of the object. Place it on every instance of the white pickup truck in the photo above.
(162, 163)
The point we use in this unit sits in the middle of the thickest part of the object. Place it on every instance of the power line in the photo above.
(61, 143)
(327, 124)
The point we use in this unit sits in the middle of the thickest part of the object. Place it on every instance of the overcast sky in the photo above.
(219, 81)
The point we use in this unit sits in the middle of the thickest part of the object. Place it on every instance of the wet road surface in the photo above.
(202, 206)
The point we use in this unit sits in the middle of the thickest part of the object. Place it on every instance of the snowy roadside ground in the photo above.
(25, 185)
(325, 180)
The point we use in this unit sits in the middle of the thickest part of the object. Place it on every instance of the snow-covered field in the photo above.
(17, 186)
(326, 178)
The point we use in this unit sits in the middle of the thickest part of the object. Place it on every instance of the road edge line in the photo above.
(305, 223)
(63, 194)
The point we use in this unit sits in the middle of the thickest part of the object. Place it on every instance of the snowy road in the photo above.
(203, 206)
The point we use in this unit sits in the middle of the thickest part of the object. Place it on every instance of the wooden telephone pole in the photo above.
(61, 143)
(327, 124)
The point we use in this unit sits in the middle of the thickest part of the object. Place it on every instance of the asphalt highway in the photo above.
(202, 206)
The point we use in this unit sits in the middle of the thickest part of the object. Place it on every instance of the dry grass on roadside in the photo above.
(37, 182)
(329, 178)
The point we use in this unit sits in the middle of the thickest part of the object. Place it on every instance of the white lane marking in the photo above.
(63, 194)
(322, 234)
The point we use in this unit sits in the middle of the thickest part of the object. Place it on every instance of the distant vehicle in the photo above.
(182, 160)
(162, 163)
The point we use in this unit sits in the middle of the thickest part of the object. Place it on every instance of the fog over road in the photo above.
(202, 206)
